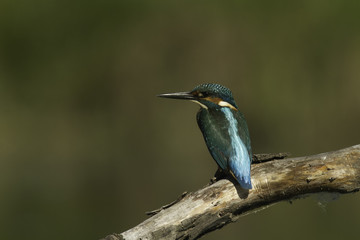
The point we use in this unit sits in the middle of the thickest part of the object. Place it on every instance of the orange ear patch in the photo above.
(220, 102)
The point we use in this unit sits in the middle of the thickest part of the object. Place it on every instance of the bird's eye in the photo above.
(202, 94)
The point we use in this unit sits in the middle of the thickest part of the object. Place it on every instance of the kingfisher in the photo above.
(224, 129)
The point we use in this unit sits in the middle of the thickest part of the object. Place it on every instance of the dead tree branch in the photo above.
(216, 205)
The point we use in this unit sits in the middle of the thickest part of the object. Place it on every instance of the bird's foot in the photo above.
(213, 180)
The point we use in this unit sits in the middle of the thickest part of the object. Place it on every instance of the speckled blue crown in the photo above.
(216, 90)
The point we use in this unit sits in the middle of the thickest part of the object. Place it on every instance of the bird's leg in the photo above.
(219, 174)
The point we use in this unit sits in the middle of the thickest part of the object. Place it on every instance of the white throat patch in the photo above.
(201, 105)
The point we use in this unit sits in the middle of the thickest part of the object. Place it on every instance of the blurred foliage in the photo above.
(86, 148)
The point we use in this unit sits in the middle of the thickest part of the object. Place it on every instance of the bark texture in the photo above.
(223, 202)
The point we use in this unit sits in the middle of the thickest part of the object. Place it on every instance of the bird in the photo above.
(224, 129)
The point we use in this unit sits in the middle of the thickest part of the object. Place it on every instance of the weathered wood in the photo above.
(265, 157)
(214, 206)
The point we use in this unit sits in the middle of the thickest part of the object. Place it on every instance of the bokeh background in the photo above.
(86, 148)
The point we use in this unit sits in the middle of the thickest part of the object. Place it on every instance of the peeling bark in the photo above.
(223, 202)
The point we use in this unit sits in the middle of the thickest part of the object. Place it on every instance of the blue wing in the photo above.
(239, 160)
(228, 143)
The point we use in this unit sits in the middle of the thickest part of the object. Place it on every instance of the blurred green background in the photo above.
(86, 148)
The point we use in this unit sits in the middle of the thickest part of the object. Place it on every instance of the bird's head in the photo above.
(208, 95)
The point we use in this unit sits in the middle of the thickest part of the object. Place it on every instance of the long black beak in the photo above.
(178, 95)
